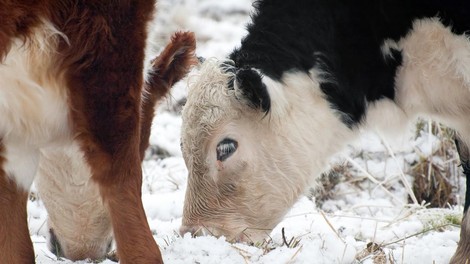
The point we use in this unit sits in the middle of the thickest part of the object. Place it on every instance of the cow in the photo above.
(74, 205)
(260, 126)
(76, 112)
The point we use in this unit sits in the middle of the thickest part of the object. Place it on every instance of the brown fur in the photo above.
(14, 233)
(101, 64)
(18, 17)
(169, 67)
(104, 80)
(461, 254)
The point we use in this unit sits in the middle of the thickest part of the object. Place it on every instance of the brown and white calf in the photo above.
(72, 104)
(78, 221)
(260, 127)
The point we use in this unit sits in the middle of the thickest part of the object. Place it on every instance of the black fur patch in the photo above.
(253, 89)
(54, 244)
(341, 37)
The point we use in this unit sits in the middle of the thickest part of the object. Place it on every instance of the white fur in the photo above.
(21, 163)
(35, 131)
(387, 47)
(433, 81)
(277, 94)
(385, 117)
(434, 78)
(309, 125)
(279, 155)
(76, 210)
(33, 102)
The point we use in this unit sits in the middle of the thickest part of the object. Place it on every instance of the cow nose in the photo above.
(193, 230)
(54, 245)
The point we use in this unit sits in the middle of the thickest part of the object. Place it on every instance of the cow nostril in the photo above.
(193, 230)
(186, 229)
(54, 245)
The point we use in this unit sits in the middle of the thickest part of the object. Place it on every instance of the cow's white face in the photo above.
(247, 167)
(78, 220)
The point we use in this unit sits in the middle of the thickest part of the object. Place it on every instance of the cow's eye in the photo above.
(226, 148)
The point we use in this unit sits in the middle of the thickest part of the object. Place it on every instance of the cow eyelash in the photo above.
(226, 148)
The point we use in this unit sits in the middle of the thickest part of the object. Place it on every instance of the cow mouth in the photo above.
(80, 252)
(244, 235)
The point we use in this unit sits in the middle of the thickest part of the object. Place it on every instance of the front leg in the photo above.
(119, 177)
(109, 136)
(17, 169)
(15, 243)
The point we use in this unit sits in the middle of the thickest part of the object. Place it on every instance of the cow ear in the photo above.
(248, 82)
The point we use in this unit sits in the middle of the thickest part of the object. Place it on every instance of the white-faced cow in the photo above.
(72, 104)
(261, 126)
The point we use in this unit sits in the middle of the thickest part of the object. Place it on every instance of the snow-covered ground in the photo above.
(370, 204)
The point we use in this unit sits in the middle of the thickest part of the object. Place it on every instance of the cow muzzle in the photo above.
(234, 237)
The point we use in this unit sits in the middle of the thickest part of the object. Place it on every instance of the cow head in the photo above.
(252, 145)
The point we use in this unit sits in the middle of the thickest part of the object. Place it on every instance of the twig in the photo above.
(346, 216)
(403, 253)
(417, 234)
(241, 251)
(284, 237)
(295, 254)
(402, 174)
(332, 228)
(344, 253)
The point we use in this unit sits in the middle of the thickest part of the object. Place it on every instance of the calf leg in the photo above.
(119, 177)
(107, 126)
(15, 242)
(462, 255)
(111, 148)
(172, 65)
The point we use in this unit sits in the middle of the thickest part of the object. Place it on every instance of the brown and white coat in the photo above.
(72, 104)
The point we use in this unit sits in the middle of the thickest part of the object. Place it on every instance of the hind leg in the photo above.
(462, 255)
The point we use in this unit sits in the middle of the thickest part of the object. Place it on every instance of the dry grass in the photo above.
(431, 184)
(293, 241)
(372, 251)
(435, 184)
(434, 175)
(327, 182)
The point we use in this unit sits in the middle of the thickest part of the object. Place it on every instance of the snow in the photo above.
(369, 206)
